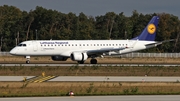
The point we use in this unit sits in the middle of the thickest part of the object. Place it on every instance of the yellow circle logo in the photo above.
(151, 28)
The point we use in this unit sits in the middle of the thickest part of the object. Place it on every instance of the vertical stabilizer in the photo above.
(149, 32)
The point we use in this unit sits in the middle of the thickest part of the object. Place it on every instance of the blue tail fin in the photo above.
(149, 32)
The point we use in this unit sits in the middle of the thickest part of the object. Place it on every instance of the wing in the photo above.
(103, 50)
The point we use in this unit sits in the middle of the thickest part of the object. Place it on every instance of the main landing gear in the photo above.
(92, 61)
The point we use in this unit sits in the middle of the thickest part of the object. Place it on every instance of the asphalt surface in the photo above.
(100, 98)
(98, 78)
(95, 78)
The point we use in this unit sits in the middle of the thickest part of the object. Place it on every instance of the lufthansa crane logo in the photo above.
(151, 28)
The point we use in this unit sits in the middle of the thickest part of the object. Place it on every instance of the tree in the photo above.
(17, 26)
(10, 16)
(30, 19)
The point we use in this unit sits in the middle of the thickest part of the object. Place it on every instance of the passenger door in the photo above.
(35, 46)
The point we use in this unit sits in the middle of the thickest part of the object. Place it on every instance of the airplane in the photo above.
(81, 50)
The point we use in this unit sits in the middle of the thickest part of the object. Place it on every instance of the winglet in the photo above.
(149, 32)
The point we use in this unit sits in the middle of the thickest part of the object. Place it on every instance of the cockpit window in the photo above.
(22, 45)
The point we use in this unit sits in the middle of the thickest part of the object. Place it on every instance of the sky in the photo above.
(100, 7)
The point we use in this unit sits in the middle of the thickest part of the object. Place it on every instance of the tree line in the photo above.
(45, 24)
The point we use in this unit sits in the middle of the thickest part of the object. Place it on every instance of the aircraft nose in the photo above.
(13, 52)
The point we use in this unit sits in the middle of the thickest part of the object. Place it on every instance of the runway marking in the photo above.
(39, 79)
(45, 79)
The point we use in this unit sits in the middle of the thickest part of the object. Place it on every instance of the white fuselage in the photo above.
(66, 47)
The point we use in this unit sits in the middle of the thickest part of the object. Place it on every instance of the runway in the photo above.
(100, 98)
(63, 65)
(96, 79)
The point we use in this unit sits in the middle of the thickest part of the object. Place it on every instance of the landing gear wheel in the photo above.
(93, 61)
(27, 59)
(27, 62)
(80, 62)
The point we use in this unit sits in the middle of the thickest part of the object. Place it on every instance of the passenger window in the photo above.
(24, 45)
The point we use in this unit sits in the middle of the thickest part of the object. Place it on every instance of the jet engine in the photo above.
(78, 56)
(59, 58)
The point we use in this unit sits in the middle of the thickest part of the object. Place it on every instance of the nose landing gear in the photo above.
(27, 59)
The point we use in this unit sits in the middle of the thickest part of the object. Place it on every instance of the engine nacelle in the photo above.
(78, 56)
(59, 58)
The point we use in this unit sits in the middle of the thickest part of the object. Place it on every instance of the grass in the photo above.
(89, 71)
(110, 60)
(21, 89)
(11, 89)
